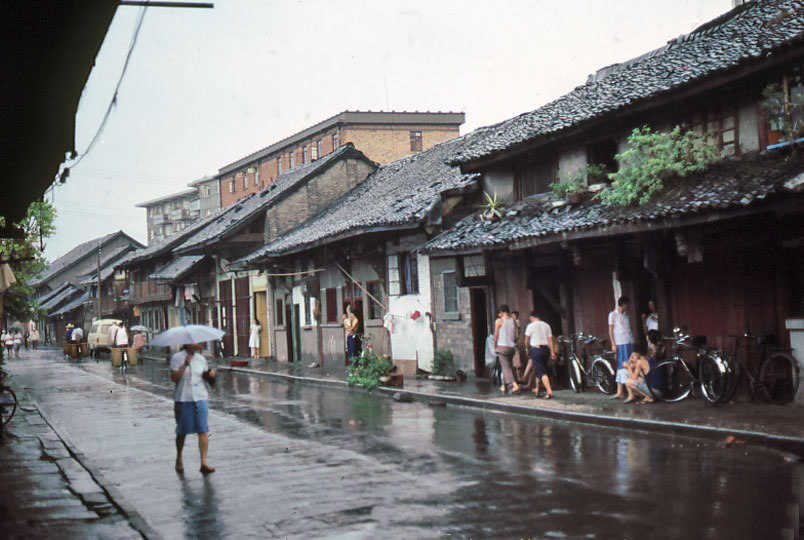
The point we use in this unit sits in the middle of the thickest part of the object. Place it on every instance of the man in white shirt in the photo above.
(78, 334)
(622, 341)
(539, 340)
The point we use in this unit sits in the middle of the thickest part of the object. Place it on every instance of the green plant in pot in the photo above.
(493, 209)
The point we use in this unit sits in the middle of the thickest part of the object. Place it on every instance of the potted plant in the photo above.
(493, 209)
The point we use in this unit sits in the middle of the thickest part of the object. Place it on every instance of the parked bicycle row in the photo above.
(671, 369)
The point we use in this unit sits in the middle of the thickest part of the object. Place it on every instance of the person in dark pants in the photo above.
(350, 324)
(539, 340)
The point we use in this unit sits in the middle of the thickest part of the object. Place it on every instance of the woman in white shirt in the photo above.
(191, 401)
(254, 338)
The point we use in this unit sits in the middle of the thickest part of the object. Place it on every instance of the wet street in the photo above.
(297, 460)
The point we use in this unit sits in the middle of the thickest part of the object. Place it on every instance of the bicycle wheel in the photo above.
(576, 380)
(733, 377)
(672, 381)
(603, 376)
(779, 377)
(712, 380)
(9, 410)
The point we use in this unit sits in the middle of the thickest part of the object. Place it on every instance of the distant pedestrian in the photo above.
(121, 342)
(139, 340)
(539, 337)
(505, 347)
(34, 338)
(191, 401)
(8, 341)
(254, 338)
(622, 341)
(69, 333)
(78, 334)
(350, 324)
(17, 343)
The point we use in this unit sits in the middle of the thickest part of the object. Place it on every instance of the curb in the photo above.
(115, 497)
(793, 445)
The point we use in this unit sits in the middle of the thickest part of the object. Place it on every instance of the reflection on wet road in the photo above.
(515, 476)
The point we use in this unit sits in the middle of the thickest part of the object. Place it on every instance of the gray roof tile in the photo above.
(738, 37)
(398, 194)
(176, 268)
(728, 185)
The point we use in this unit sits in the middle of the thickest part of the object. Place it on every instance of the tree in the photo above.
(25, 257)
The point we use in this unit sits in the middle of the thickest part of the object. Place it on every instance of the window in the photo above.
(245, 182)
(279, 314)
(292, 160)
(331, 296)
(304, 154)
(415, 141)
(152, 234)
(450, 286)
(205, 191)
(474, 266)
(232, 185)
(334, 141)
(279, 165)
(602, 153)
(403, 274)
(207, 212)
(319, 149)
(719, 122)
(535, 178)
(374, 309)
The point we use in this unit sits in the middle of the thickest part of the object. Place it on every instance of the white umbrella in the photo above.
(140, 328)
(189, 333)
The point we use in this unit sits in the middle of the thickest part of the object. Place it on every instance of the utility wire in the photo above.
(113, 101)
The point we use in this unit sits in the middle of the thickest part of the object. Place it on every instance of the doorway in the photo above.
(261, 314)
(480, 328)
(225, 292)
(289, 329)
(296, 333)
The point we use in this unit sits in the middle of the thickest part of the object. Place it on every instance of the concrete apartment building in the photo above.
(209, 194)
(171, 214)
(382, 136)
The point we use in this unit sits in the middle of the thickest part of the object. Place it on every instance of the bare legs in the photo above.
(203, 446)
(255, 354)
(179, 448)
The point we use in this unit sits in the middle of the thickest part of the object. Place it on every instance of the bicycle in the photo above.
(777, 374)
(600, 374)
(674, 379)
(8, 401)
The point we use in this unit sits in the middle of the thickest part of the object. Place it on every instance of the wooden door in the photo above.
(243, 314)
(227, 322)
(261, 313)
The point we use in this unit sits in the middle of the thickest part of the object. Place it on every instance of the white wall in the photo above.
(414, 339)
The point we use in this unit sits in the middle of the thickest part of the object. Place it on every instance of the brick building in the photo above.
(382, 136)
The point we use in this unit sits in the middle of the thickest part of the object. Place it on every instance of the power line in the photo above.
(66, 171)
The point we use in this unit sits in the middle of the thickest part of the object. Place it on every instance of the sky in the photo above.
(205, 87)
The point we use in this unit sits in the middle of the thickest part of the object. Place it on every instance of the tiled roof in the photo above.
(73, 256)
(732, 184)
(107, 265)
(91, 279)
(168, 243)
(59, 288)
(745, 34)
(74, 304)
(176, 268)
(249, 207)
(398, 194)
(57, 300)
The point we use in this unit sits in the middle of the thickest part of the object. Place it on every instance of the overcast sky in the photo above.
(206, 87)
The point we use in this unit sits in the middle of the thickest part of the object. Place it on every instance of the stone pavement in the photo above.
(47, 491)
(780, 427)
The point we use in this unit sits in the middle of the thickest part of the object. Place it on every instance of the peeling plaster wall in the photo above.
(413, 340)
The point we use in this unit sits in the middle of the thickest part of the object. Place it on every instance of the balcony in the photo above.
(148, 291)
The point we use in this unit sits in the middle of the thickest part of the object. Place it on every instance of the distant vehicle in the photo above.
(98, 337)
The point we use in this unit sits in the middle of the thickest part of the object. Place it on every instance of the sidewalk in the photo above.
(47, 491)
(776, 426)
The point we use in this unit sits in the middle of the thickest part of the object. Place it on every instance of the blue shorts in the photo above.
(191, 416)
(538, 358)
(623, 354)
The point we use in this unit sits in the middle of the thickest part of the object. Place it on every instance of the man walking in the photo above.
(622, 341)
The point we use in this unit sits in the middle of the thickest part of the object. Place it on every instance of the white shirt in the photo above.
(121, 338)
(191, 386)
(622, 327)
(78, 334)
(652, 322)
(539, 333)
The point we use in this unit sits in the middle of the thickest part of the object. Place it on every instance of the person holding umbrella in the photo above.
(188, 370)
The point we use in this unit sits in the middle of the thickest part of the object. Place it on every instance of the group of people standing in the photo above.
(632, 369)
(15, 339)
